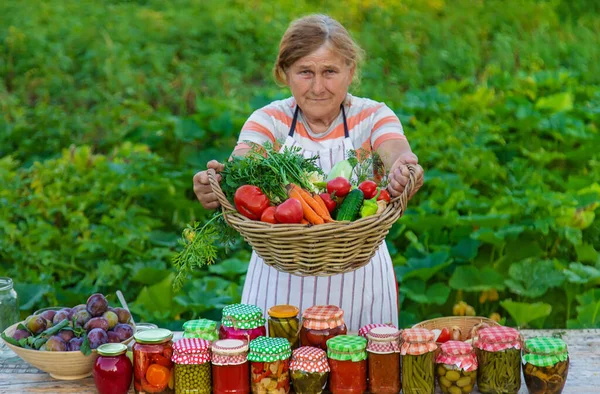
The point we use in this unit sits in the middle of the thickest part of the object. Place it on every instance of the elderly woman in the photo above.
(317, 60)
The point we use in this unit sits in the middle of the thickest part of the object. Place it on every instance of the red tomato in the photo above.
(250, 201)
(444, 335)
(289, 211)
(369, 189)
(269, 215)
(329, 203)
(384, 195)
(340, 186)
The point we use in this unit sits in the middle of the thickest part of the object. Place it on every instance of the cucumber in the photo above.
(351, 205)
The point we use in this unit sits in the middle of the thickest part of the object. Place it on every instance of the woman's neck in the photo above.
(322, 124)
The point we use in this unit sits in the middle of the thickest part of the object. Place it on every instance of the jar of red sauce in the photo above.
(152, 365)
(348, 363)
(242, 321)
(383, 350)
(230, 368)
(321, 323)
(112, 370)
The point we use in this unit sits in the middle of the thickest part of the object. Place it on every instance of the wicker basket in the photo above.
(321, 250)
(465, 323)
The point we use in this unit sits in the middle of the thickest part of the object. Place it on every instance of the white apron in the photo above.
(367, 295)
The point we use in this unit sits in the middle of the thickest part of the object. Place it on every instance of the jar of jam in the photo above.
(383, 350)
(112, 370)
(284, 323)
(242, 321)
(202, 328)
(456, 367)
(545, 365)
(309, 369)
(418, 362)
(270, 366)
(152, 365)
(348, 363)
(498, 352)
(230, 369)
(192, 366)
(321, 323)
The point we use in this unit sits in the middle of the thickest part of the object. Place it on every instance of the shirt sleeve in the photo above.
(259, 128)
(386, 126)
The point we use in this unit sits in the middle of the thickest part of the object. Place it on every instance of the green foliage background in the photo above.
(109, 108)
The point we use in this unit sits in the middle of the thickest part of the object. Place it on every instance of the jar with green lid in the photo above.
(499, 357)
(545, 365)
(418, 361)
(9, 303)
(201, 328)
(347, 356)
(284, 323)
(152, 365)
(192, 366)
(309, 369)
(270, 365)
(242, 321)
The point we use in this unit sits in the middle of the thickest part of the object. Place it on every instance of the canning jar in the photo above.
(456, 367)
(545, 365)
(242, 321)
(348, 363)
(202, 328)
(383, 351)
(284, 323)
(230, 369)
(270, 368)
(192, 366)
(418, 361)
(9, 304)
(499, 357)
(309, 369)
(152, 365)
(364, 330)
(112, 369)
(321, 323)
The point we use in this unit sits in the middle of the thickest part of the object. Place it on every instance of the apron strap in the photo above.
(295, 120)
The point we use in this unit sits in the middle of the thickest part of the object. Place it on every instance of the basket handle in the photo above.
(402, 199)
(216, 188)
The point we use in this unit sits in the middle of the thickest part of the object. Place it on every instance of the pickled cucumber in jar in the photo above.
(545, 365)
(455, 381)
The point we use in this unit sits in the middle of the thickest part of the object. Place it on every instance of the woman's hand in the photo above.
(399, 175)
(202, 188)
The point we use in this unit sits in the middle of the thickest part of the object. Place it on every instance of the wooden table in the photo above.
(16, 376)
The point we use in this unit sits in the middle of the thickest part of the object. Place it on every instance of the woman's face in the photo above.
(319, 82)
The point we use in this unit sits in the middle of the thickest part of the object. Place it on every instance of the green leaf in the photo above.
(556, 103)
(424, 268)
(523, 313)
(149, 272)
(10, 340)
(532, 278)
(586, 252)
(85, 346)
(156, 300)
(30, 294)
(438, 293)
(469, 278)
(415, 290)
(466, 249)
(229, 268)
(580, 273)
(163, 238)
(187, 130)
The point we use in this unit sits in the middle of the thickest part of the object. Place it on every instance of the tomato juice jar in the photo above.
(348, 363)
(383, 350)
(230, 368)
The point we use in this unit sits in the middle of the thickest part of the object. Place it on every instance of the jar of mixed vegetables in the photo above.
(418, 362)
(152, 365)
(230, 369)
(545, 365)
(383, 351)
(309, 369)
(242, 321)
(456, 367)
(499, 357)
(284, 323)
(270, 358)
(192, 366)
(320, 323)
(202, 328)
(348, 363)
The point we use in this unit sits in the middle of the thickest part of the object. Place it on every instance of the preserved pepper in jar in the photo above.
(348, 363)
(230, 369)
(270, 368)
(152, 365)
(456, 367)
(499, 357)
(321, 323)
(383, 350)
(202, 328)
(284, 323)
(418, 361)
(192, 366)
(545, 365)
(309, 369)
(242, 321)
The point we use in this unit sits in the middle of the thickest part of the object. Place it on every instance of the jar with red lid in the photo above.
(418, 361)
(498, 352)
(112, 370)
(152, 365)
(456, 367)
(321, 323)
(348, 363)
(230, 368)
(383, 350)
(364, 330)
(309, 369)
(242, 321)
(191, 357)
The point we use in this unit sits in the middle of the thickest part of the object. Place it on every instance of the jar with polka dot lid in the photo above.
(309, 369)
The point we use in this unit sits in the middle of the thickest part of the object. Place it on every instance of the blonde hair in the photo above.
(306, 35)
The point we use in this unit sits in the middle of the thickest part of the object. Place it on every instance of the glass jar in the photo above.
(418, 361)
(364, 330)
(230, 369)
(284, 323)
(202, 328)
(309, 369)
(9, 304)
(270, 367)
(545, 365)
(348, 363)
(321, 323)
(242, 321)
(112, 369)
(499, 357)
(383, 350)
(192, 366)
(456, 367)
(152, 365)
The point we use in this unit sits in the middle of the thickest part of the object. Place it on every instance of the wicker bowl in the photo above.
(60, 365)
(465, 323)
(320, 250)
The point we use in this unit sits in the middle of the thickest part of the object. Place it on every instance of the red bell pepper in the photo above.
(250, 201)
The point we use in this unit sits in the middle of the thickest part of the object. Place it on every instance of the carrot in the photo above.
(304, 221)
(319, 210)
(327, 216)
(309, 214)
